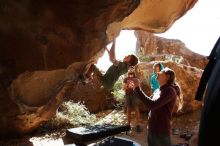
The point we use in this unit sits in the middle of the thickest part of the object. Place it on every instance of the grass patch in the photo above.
(145, 58)
(118, 92)
(72, 114)
(115, 117)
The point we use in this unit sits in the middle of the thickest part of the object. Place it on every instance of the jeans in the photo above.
(158, 139)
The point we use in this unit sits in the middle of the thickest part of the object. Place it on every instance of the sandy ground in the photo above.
(186, 122)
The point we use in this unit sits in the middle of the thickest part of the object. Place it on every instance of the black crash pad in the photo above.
(91, 133)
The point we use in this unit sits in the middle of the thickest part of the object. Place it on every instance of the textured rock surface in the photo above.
(187, 64)
(37, 96)
(187, 77)
(153, 16)
(93, 96)
(39, 39)
(158, 48)
(38, 35)
(45, 35)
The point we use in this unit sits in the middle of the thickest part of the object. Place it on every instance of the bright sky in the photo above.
(125, 45)
(199, 29)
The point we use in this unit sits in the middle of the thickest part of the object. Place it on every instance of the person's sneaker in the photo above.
(138, 128)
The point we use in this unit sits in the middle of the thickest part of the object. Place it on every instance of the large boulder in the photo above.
(36, 96)
(152, 16)
(187, 77)
(93, 95)
(158, 48)
(40, 39)
(44, 38)
(187, 64)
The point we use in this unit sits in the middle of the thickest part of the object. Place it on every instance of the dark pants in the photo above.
(158, 139)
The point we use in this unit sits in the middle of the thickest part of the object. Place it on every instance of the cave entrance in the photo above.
(125, 45)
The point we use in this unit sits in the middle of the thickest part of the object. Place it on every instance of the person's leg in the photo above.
(151, 139)
(164, 140)
(92, 69)
(129, 108)
(88, 70)
(97, 73)
(134, 104)
(129, 115)
(137, 113)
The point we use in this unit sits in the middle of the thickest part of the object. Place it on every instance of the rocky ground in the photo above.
(47, 137)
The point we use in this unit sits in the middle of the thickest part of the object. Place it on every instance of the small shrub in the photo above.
(144, 58)
(73, 114)
(118, 92)
(119, 95)
(115, 117)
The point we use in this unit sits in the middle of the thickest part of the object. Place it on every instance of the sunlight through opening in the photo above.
(125, 45)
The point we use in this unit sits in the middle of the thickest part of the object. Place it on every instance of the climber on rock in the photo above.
(117, 69)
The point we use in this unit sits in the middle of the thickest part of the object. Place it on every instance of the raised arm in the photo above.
(151, 104)
(111, 53)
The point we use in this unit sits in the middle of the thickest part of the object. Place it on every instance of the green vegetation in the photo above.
(144, 58)
(118, 91)
(115, 117)
(73, 114)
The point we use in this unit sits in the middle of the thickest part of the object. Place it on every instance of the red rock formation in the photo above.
(152, 16)
(187, 64)
(94, 96)
(44, 37)
(158, 48)
(37, 96)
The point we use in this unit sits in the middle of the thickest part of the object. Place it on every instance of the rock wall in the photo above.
(93, 95)
(34, 98)
(174, 54)
(40, 39)
(152, 16)
(158, 48)
(49, 36)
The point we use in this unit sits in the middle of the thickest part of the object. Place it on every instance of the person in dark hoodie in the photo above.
(161, 106)
(153, 81)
